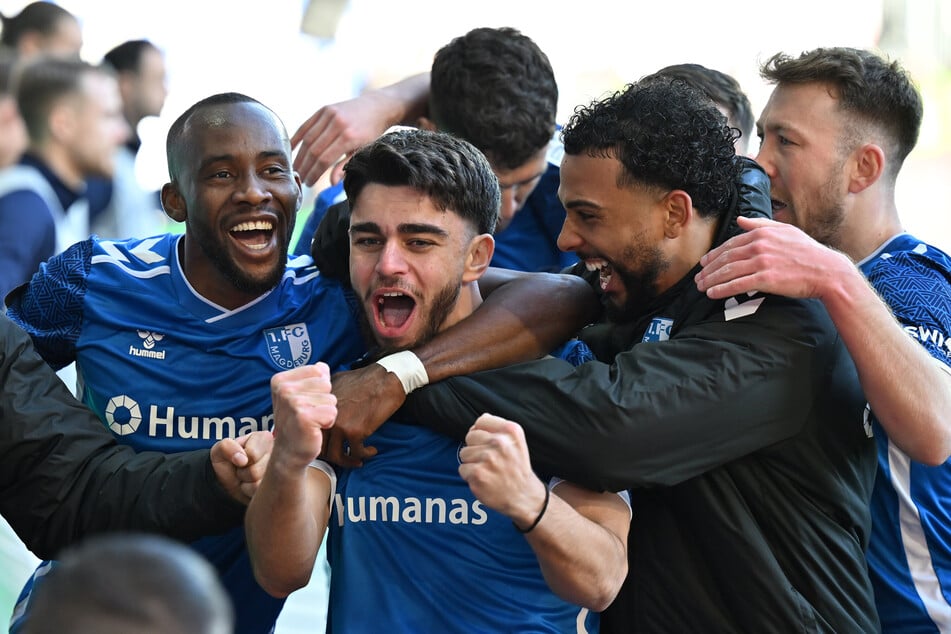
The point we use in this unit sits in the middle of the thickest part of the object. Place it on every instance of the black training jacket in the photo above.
(743, 440)
(63, 476)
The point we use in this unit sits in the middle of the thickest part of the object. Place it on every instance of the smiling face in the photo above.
(238, 195)
(801, 150)
(616, 230)
(408, 263)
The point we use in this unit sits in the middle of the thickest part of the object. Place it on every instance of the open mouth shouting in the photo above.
(605, 272)
(393, 313)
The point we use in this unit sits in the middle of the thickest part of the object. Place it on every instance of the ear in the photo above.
(678, 212)
(173, 202)
(868, 167)
(62, 121)
(478, 256)
(425, 123)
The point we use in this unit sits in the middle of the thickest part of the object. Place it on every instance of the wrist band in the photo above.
(408, 369)
(540, 513)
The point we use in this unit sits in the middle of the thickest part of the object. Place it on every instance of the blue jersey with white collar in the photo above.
(167, 370)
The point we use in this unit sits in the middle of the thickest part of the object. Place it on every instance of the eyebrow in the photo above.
(406, 227)
(221, 158)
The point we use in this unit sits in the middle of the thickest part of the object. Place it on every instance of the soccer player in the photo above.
(428, 513)
(835, 133)
(177, 336)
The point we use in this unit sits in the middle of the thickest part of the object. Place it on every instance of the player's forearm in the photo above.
(523, 318)
(406, 100)
(582, 561)
(284, 524)
(906, 388)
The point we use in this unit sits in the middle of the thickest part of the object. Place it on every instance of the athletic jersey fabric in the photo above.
(910, 552)
(412, 550)
(167, 370)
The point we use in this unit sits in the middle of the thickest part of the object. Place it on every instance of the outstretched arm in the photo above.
(288, 514)
(64, 477)
(579, 536)
(335, 131)
(525, 317)
(778, 258)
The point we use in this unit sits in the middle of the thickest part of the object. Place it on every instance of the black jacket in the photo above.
(742, 438)
(63, 476)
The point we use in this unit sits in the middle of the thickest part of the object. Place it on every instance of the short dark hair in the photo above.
(723, 89)
(496, 89)
(39, 84)
(127, 57)
(176, 133)
(450, 170)
(130, 583)
(36, 17)
(873, 89)
(666, 134)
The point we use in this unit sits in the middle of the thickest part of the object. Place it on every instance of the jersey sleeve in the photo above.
(27, 237)
(63, 476)
(50, 307)
(659, 413)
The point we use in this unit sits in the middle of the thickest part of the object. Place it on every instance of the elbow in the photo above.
(280, 585)
(604, 592)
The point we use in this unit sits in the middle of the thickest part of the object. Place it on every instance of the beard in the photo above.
(639, 273)
(215, 251)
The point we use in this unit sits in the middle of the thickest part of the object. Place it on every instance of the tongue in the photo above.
(396, 310)
(254, 237)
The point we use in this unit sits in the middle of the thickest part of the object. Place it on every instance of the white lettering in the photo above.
(411, 511)
(155, 420)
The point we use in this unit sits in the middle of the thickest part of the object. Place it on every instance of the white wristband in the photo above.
(408, 369)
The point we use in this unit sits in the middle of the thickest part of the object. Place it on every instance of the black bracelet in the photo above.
(540, 513)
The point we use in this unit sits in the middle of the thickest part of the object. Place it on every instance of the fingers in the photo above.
(230, 450)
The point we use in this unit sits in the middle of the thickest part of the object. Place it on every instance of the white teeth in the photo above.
(393, 294)
(595, 264)
(254, 225)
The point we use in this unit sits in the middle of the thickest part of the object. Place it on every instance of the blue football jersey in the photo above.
(909, 554)
(167, 370)
(412, 550)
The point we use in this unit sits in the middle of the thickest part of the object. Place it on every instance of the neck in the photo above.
(469, 299)
(60, 164)
(871, 220)
(690, 247)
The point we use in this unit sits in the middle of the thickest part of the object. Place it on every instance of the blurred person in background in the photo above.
(133, 211)
(73, 116)
(42, 28)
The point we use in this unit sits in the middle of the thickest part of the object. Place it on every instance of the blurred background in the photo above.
(296, 55)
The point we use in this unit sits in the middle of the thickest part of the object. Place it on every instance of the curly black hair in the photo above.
(496, 89)
(666, 134)
(450, 170)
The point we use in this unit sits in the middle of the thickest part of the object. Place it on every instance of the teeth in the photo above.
(595, 264)
(254, 225)
(393, 294)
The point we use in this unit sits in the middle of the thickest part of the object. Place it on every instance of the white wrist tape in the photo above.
(408, 369)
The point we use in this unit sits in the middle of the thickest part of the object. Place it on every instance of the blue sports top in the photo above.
(167, 370)
(412, 550)
(909, 554)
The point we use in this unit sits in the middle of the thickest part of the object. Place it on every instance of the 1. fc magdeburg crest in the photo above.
(289, 346)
